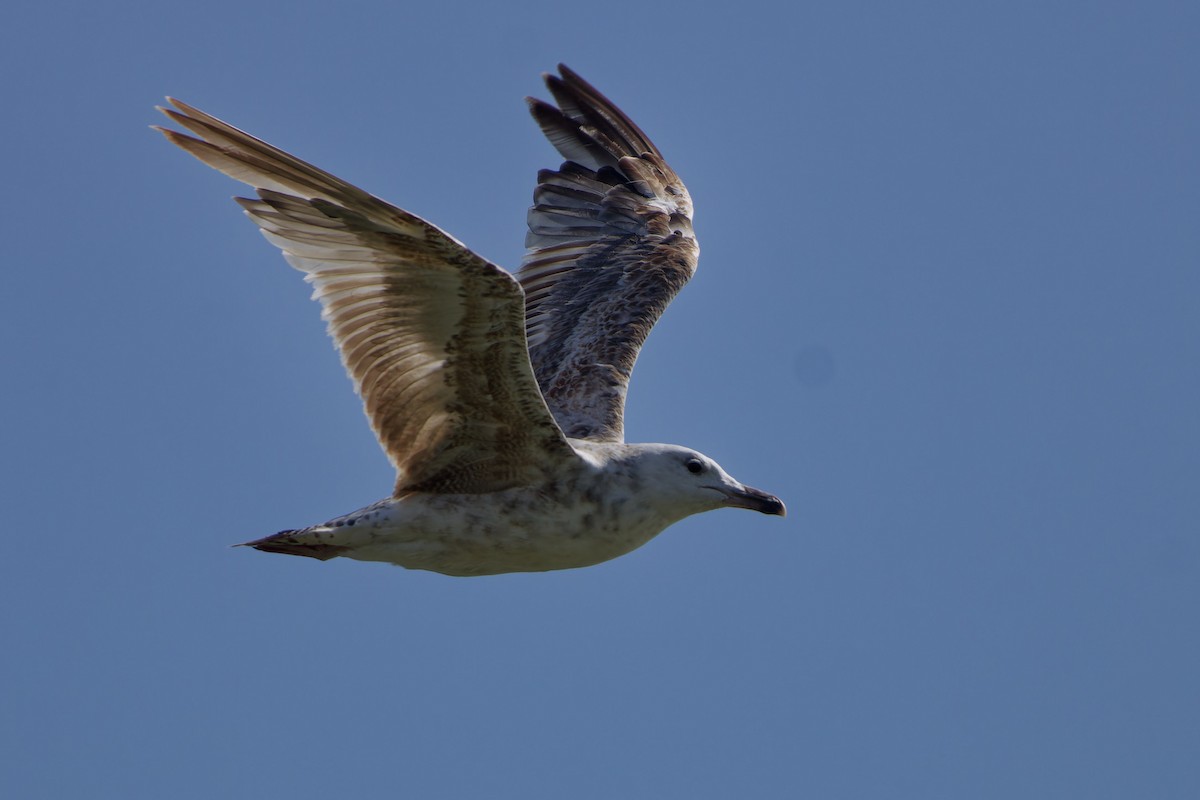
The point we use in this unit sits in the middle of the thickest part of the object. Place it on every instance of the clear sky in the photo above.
(948, 308)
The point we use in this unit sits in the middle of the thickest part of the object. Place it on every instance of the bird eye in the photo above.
(694, 466)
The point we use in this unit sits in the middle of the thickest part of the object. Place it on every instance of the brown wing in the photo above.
(431, 333)
(610, 243)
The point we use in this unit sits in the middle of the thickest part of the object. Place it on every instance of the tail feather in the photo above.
(288, 543)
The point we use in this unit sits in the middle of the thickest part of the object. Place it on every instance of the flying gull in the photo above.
(499, 399)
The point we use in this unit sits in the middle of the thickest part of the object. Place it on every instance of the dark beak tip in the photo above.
(775, 507)
(752, 499)
(756, 500)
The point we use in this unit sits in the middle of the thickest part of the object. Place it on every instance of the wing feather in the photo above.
(431, 334)
(610, 243)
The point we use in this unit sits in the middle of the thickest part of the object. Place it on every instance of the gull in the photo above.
(499, 399)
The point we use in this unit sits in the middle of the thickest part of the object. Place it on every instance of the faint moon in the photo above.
(814, 366)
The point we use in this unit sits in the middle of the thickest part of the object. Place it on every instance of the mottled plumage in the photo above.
(499, 402)
(610, 243)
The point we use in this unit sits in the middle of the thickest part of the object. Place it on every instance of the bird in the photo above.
(498, 398)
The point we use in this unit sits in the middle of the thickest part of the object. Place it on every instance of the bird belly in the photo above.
(488, 534)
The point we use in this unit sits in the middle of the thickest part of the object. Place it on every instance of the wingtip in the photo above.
(173, 115)
(174, 137)
(573, 79)
(547, 115)
(179, 104)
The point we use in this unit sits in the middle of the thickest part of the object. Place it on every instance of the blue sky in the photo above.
(948, 308)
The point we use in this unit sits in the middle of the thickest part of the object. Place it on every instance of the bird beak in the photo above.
(753, 499)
